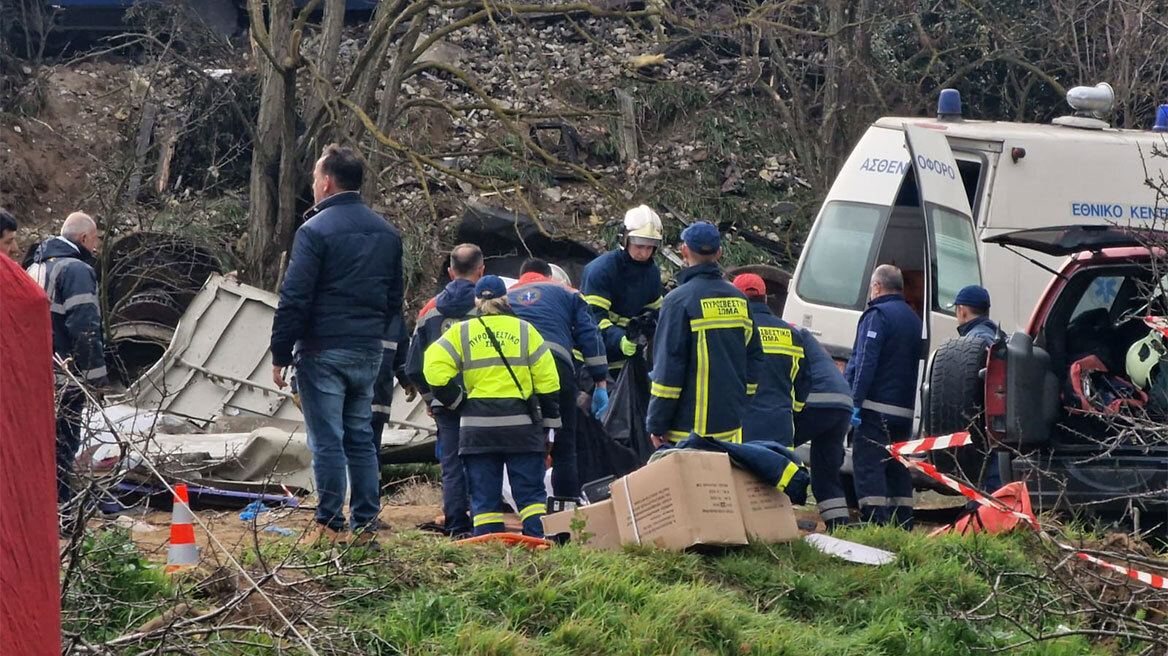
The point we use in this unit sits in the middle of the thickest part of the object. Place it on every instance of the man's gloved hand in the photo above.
(411, 392)
(856, 417)
(599, 401)
(627, 347)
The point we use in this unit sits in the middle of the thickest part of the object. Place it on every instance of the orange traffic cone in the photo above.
(183, 551)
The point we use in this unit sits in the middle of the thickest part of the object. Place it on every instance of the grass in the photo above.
(429, 596)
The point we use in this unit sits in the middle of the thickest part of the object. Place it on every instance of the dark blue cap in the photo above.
(702, 237)
(489, 287)
(974, 296)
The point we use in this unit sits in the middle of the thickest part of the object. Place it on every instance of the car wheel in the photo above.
(956, 403)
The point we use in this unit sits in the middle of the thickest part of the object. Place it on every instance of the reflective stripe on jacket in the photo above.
(563, 318)
(706, 359)
(828, 388)
(453, 304)
(883, 369)
(495, 414)
(65, 271)
(618, 288)
(782, 380)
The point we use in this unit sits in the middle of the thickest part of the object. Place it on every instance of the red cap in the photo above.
(750, 284)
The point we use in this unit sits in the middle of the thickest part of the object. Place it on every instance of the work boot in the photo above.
(365, 538)
(322, 535)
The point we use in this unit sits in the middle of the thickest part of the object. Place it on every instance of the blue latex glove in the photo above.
(599, 401)
(856, 417)
(252, 510)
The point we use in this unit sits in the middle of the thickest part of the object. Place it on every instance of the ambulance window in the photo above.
(956, 253)
(835, 267)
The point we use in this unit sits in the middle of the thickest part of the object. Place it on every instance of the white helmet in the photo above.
(642, 226)
(559, 275)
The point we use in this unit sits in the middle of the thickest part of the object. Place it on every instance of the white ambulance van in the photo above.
(922, 193)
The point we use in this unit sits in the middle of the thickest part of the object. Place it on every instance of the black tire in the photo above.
(956, 402)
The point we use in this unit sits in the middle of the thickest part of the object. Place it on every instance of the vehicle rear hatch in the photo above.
(1070, 239)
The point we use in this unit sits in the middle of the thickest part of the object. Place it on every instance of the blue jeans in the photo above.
(336, 392)
(455, 505)
(525, 471)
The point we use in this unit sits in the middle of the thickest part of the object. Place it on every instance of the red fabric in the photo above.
(532, 276)
(30, 609)
(1014, 495)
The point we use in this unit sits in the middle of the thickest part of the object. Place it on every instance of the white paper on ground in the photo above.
(850, 551)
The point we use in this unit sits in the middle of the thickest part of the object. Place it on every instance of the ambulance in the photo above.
(923, 194)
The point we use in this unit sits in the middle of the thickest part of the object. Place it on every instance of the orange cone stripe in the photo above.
(182, 534)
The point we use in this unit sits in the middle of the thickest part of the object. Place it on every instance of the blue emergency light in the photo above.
(949, 105)
(1161, 124)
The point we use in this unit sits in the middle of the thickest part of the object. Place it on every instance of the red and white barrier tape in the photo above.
(900, 449)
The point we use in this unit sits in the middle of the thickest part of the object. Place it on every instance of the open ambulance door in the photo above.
(950, 250)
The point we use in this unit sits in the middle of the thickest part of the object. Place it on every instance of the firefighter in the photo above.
(706, 354)
(393, 363)
(882, 374)
(771, 413)
(455, 303)
(509, 401)
(823, 420)
(624, 285)
(562, 317)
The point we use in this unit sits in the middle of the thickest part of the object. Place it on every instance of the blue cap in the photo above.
(1161, 124)
(949, 103)
(489, 287)
(974, 296)
(702, 237)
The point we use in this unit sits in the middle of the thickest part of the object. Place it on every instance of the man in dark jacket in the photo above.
(562, 317)
(393, 363)
(883, 377)
(338, 302)
(972, 307)
(781, 381)
(63, 267)
(823, 420)
(706, 354)
(455, 303)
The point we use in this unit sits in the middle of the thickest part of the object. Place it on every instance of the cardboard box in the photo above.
(686, 498)
(599, 520)
(767, 513)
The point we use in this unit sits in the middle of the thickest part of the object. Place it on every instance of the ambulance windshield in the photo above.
(836, 262)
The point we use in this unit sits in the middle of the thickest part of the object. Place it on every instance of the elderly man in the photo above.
(340, 296)
(882, 374)
(8, 228)
(64, 268)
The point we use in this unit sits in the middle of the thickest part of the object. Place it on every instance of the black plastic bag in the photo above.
(628, 407)
(597, 455)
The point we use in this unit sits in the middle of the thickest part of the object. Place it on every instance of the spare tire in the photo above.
(955, 402)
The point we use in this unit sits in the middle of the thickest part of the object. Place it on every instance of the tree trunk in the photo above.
(267, 235)
(403, 57)
(326, 63)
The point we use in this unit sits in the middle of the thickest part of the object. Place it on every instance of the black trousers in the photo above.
(70, 406)
(565, 467)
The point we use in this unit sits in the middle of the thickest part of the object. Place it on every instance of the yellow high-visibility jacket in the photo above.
(495, 414)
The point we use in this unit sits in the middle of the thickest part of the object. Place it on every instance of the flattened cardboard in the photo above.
(599, 520)
(685, 499)
(767, 513)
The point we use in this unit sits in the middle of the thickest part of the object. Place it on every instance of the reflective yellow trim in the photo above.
(751, 388)
(604, 324)
(619, 364)
(676, 436)
(488, 518)
(577, 355)
(734, 436)
(618, 319)
(654, 305)
(599, 301)
(532, 510)
(797, 406)
(793, 351)
(701, 395)
(664, 391)
(788, 473)
(711, 324)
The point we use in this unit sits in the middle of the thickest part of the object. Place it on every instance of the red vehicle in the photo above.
(1055, 401)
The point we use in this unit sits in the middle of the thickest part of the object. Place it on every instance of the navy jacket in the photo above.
(455, 303)
(828, 387)
(65, 271)
(618, 288)
(982, 327)
(706, 359)
(562, 317)
(883, 368)
(781, 380)
(393, 362)
(344, 282)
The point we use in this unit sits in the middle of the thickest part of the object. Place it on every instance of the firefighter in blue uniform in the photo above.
(823, 420)
(781, 381)
(454, 304)
(393, 362)
(562, 317)
(883, 377)
(64, 268)
(706, 353)
(624, 285)
(507, 370)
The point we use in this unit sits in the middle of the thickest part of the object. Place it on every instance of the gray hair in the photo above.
(888, 277)
(77, 225)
